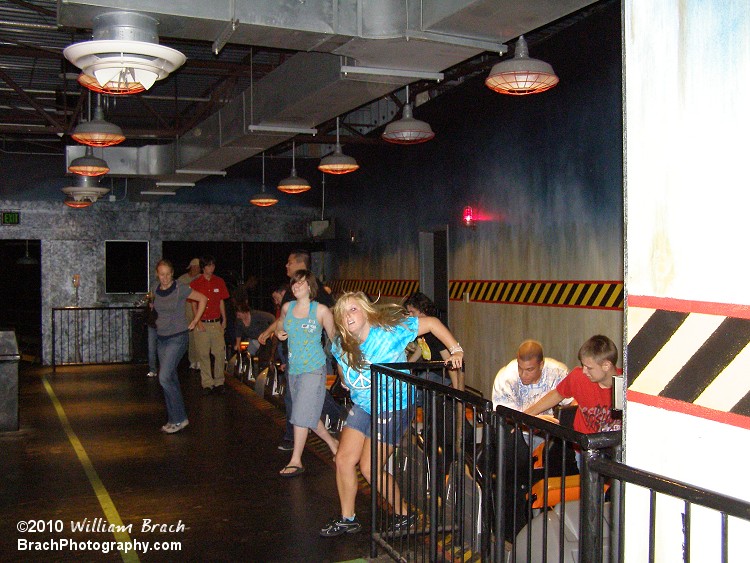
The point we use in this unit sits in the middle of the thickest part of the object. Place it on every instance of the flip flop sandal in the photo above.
(297, 471)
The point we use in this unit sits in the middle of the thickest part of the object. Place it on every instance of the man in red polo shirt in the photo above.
(209, 334)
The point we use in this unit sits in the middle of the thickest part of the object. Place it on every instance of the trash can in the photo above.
(9, 359)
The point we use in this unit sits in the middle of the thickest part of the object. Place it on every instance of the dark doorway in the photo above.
(433, 268)
(22, 292)
(259, 266)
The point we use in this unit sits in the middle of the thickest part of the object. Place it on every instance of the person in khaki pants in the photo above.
(209, 334)
(193, 271)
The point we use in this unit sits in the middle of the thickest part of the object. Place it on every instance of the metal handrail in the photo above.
(672, 487)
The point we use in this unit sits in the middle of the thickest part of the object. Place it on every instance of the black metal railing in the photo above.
(484, 485)
(719, 509)
(439, 468)
(551, 504)
(98, 335)
(466, 472)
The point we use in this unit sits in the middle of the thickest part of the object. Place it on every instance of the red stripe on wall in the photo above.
(689, 409)
(686, 306)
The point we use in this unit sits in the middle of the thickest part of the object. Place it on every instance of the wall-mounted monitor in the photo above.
(126, 266)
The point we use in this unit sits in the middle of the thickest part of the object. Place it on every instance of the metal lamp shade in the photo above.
(88, 165)
(521, 75)
(85, 192)
(77, 204)
(263, 198)
(293, 184)
(98, 132)
(407, 130)
(338, 163)
(123, 86)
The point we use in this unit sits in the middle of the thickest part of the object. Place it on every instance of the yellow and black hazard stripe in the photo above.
(373, 288)
(690, 352)
(585, 294)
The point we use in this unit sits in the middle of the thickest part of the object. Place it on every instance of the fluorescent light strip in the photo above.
(281, 129)
(375, 71)
(206, 172)
(175, 184)
(152, 192)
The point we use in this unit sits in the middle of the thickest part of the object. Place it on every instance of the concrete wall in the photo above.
(544, 174)
(72, 240)
(687, 74)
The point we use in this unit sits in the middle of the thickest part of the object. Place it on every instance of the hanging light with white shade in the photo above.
(521, 75)
(407, 130)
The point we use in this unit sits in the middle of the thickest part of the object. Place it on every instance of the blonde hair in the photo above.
(383, 316)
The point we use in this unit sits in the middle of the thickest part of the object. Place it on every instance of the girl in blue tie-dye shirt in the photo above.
(366, 336)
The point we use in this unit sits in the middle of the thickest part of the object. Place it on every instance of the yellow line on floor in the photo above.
(110, 512)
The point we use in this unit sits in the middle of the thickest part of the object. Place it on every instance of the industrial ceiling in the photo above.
(256, 72)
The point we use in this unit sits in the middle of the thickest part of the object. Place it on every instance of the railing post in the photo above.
(486, 484)
(435, 470)
(499, 426)
(54, 358)
(590, 540)
(374, 395)
(616, 547)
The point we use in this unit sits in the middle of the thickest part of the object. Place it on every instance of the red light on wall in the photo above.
(468, 217)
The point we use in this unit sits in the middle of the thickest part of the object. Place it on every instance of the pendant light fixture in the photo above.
(293, 184)
(98, 132)
(338, 162)
(521, 75)
(123, 85)
(85, 192)
(27, 260)
(88, 165)
(77, 203)
(407, 130)
(125, 50)
(263, 198)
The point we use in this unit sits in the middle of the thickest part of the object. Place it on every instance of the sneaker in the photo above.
(152, 374)
(286, 445)
(206, 391)
(171, 427)
(219, 390)
(402, 523)
(339, 525)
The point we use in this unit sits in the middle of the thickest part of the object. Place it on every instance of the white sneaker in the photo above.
(171, 427)
(152, 374)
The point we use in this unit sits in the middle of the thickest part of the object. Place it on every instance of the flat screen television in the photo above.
(126, 266)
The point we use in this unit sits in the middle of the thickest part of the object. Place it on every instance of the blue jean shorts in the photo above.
(391, 425)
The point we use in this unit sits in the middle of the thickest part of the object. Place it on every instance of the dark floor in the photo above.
(218, 477)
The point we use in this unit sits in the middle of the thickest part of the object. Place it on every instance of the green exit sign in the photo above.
(11, 217)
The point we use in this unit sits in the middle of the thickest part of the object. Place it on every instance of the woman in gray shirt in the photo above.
(172, 339)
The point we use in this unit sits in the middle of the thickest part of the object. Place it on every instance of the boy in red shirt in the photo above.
(590, 385)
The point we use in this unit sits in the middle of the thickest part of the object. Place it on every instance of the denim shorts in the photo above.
(391, 425)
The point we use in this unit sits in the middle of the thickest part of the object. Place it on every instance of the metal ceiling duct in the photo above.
(397, 39)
